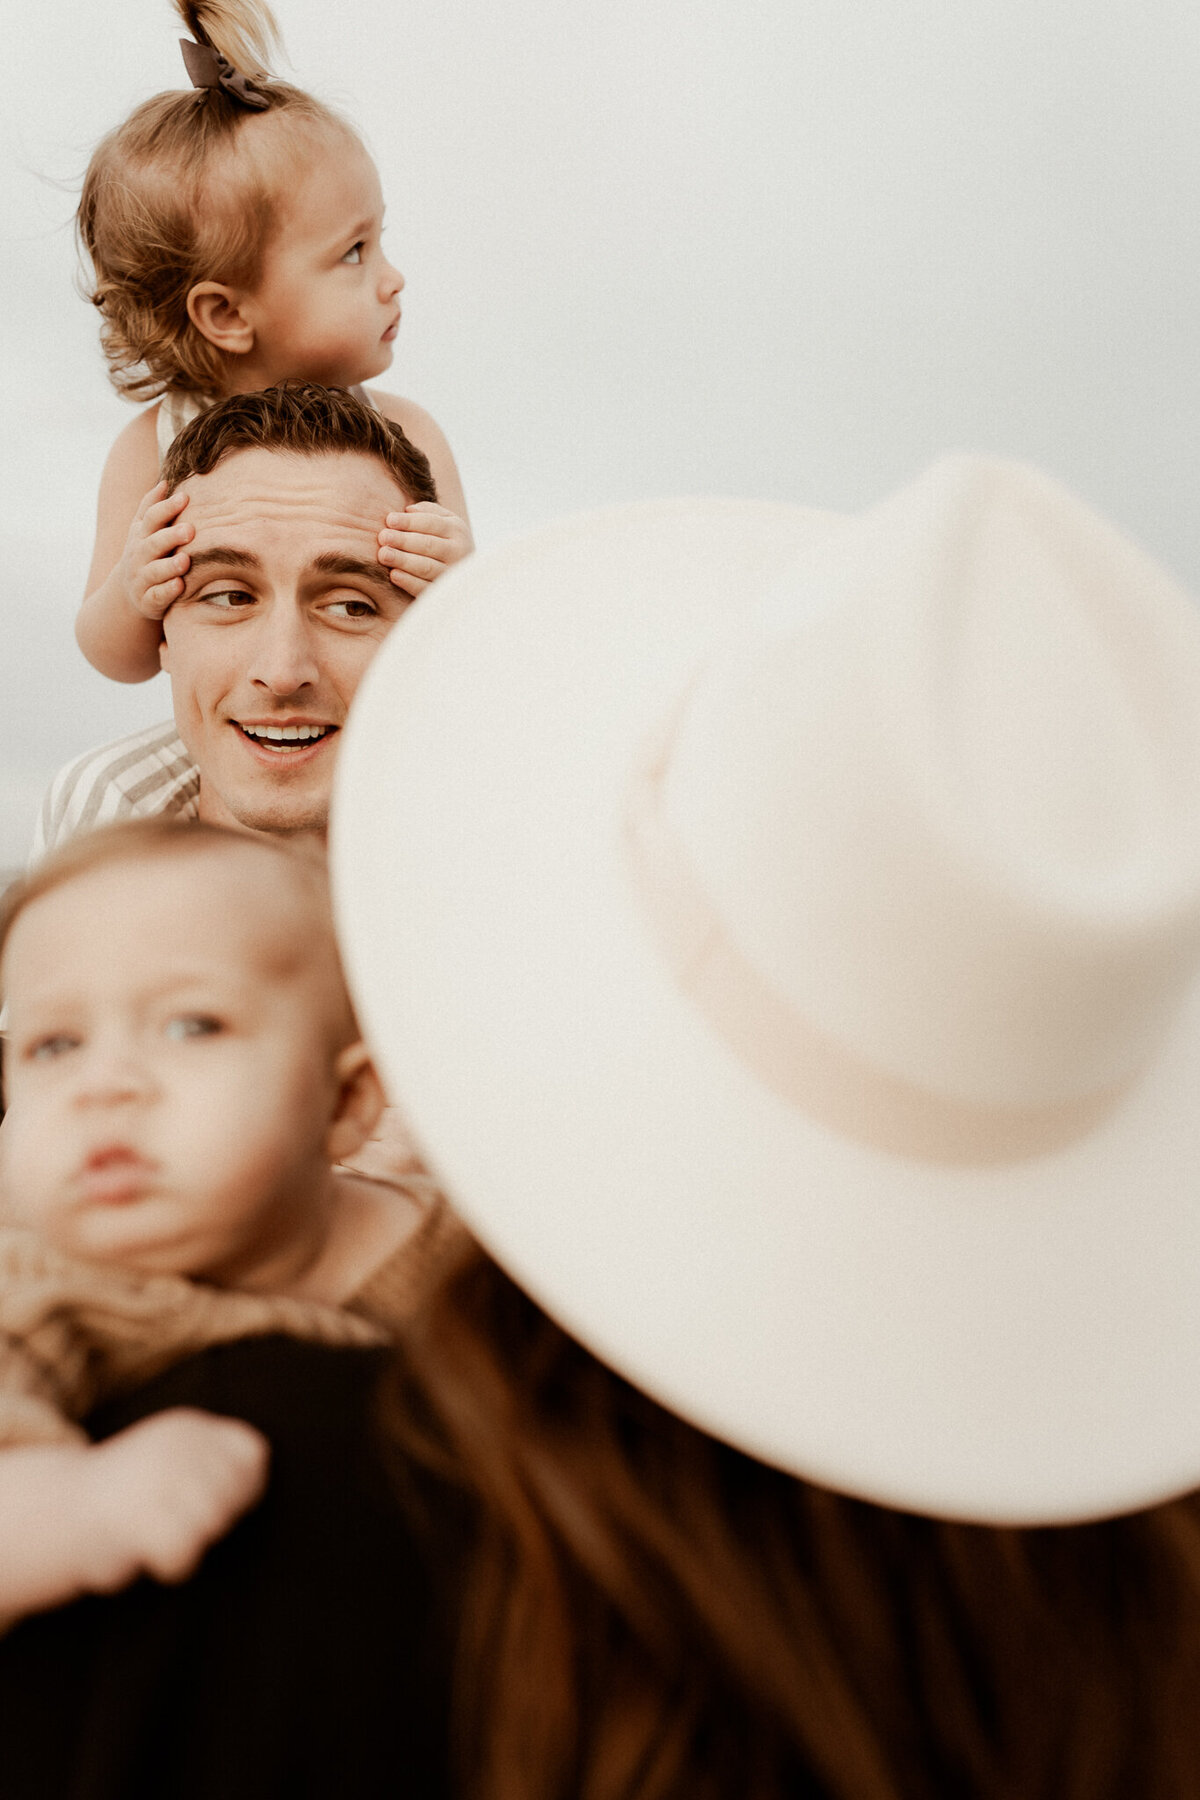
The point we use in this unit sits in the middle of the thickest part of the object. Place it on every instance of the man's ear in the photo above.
(218, 314)
(359, 1103)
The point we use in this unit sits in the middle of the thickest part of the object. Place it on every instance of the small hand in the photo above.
(162, 1491)
(419, 544)
(153, 564)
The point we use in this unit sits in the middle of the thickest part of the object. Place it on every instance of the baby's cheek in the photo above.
(28, 1159)
(266, 1140)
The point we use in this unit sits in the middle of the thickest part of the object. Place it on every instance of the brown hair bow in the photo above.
(209, 69)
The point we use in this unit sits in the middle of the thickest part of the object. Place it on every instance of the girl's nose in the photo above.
(392, 282)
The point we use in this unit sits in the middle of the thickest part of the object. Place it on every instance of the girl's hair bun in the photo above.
(178, 194)
(243, 31)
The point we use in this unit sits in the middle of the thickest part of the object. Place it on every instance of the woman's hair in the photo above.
(649, 1614)
(299, 416)
(187, 190)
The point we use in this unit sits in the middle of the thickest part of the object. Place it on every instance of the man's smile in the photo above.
(283, 740)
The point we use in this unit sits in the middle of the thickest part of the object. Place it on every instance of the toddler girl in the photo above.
(182, 1072)
(235, 232)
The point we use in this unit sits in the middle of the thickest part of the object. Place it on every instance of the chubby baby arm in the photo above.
(139, 560)
(78, 1518)
(421, 542)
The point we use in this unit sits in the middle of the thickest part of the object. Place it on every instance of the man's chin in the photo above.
(291, 825)
(279, 816)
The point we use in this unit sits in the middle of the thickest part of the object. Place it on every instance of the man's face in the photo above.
(282, 609)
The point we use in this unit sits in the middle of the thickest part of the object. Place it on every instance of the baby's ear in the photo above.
(218, 313)
(359, 1103)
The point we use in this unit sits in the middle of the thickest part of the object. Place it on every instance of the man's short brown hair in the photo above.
(299, 416)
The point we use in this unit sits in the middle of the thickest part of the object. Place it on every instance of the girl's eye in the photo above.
(192, 1025)
(354, 254)
(56, 1044)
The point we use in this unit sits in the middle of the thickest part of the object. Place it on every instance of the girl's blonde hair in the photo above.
(187, 190)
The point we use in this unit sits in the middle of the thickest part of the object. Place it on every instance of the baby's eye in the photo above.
(53, 1045)
(192, 1025)
(354, 254)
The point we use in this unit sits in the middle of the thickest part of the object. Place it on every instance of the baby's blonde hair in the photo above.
(187, 190)
(299, 872)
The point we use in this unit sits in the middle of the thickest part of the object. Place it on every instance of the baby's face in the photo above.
(170, 1079)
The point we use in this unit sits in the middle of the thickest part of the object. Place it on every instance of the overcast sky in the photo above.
(791, 248)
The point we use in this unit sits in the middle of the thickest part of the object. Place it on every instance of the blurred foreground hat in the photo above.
(788, 963)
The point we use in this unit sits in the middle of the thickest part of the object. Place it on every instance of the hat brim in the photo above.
(1012, 1344)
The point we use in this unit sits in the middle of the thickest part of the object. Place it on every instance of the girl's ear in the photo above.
(359, 1103)
(217, 314)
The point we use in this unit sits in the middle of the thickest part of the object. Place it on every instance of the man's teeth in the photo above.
(285, 734)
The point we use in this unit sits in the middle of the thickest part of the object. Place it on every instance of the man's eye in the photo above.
(53, 1045)
(228, 598)
(192, 1025)
(353, 608)
(355, 252)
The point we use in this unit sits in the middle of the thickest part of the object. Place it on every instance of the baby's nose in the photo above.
(114, 1077)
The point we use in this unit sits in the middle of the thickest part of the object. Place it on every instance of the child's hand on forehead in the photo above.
(153, 562)
(420, 543)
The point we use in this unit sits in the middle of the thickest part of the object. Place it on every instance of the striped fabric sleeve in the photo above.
(147, 773)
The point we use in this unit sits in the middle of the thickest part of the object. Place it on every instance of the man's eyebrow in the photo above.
(229, 558)
(332, 562)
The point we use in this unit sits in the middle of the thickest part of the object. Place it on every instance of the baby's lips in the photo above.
(114, 1176)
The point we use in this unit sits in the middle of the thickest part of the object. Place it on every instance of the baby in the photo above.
(182, 1075)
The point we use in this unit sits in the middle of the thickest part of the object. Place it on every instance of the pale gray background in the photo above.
(789, 248)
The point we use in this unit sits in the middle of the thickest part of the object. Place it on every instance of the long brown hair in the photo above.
(648, 1614)
(187, 189)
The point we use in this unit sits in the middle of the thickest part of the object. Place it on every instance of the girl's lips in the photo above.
(392, 329)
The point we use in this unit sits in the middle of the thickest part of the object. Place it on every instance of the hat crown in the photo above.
(1012, 1338)
(942, 796)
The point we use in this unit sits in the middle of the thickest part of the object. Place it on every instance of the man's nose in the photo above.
(283, 661)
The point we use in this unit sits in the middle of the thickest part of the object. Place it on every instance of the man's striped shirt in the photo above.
(147, 773)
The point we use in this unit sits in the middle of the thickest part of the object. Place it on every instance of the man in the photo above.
(284, 604)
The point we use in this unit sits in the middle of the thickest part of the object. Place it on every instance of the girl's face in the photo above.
(327, 306)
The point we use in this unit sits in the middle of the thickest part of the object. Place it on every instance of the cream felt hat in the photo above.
(782, 930)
